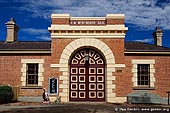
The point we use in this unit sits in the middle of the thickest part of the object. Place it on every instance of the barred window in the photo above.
(32, 74)
(143, 75)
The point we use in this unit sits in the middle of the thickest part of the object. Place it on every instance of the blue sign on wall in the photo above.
(53, 85)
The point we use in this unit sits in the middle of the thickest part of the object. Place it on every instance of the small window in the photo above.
(144, 75)
(32, 74)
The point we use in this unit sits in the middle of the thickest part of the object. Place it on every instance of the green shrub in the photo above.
(6, 94)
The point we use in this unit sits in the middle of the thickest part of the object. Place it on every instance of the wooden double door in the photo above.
(87, 76)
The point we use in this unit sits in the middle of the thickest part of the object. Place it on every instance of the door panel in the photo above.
(87, 77)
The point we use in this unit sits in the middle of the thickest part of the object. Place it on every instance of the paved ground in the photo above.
(22, 107)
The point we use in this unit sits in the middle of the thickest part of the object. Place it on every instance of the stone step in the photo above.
(30, 99)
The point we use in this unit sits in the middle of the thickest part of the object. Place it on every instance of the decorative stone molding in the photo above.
(64, 66)
(65, 26)
(24, 63)
(135, 62)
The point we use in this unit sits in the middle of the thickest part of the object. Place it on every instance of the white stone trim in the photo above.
(95, 36)
(115, 16)
(109, 91)
(94, 28)
(55, 65)
(120, 65)
(24, 63)
(135, 62)
(64, 66)
(87, 18)
(121, 35)
(63, 78)
(143, 61)
(118, 99)
(60, 15)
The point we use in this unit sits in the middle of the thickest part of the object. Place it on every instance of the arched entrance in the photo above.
(87, 76)
(64, 67)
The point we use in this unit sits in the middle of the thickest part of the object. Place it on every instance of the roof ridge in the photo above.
(146, 44)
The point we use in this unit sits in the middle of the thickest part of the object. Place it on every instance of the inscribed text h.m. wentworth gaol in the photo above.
(88, 60)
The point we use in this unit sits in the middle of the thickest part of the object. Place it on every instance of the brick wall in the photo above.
(58, 46)
(10, 71)
(10, 68)
(162, 76)
(115, 21)
(117, 47)
(60, 21)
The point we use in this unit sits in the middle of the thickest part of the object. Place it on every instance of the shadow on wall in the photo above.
(144, 97)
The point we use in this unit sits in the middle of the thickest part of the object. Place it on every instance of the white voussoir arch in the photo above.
(64, 66)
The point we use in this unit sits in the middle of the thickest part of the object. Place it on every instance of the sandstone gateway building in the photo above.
(87, 59)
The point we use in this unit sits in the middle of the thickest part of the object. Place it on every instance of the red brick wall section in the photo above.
(60, 21)
(109, 21)
(162, 76)
(10, 68)
(55, 72)
(58, 45)
(115, 21)
(117, 47)
(10, 71)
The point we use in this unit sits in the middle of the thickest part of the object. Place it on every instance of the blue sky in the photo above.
(33, 16)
